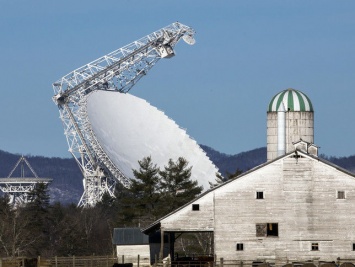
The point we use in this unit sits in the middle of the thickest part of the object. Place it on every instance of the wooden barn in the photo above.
(296, 207)
(131, 242)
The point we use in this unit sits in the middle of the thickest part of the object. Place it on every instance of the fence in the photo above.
(88, 261)
(137, 261)
(75, 261)
(285, 263)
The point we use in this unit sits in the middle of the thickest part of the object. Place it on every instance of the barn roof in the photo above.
(156, 225)
(129, 236)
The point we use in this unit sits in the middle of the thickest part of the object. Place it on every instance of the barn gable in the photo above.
(294, 207)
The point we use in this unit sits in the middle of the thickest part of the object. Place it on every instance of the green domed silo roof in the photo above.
(292, 99)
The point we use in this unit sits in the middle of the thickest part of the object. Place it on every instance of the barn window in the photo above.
(261, 229)
(240, 246)
(272, 229)
(195, 206)
(341, 195)
(259, 195)
(315, 246)
(267, 229)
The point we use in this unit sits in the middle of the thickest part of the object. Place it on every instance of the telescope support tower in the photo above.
(118, 71)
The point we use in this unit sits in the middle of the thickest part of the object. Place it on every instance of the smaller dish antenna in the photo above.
(19, 187)
(189, 39)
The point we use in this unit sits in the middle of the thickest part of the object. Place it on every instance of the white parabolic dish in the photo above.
(128, 129)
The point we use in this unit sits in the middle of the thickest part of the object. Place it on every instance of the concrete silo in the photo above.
(290, 118)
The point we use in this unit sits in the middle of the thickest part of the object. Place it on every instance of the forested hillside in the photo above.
(244, 161)
(345, 162)
(67, 185)
(228, 164)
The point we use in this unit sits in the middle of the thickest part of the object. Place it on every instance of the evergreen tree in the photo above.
(37, 212)
(234, 175)
(39, 198)
(5, 206)
(176, 186)
(219, 180)
(106, 205)
(124, 205)
(144, 192)
(146, 184)
(56, 216)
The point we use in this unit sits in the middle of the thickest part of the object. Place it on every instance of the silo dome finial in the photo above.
(292, 99)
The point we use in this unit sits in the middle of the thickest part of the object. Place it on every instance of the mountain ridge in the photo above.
(67, 186)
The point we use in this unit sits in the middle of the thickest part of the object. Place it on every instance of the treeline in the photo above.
(63, 171)
(53, 229)
(243, 161)
(345, 162)
(66, 185)
(67, 179)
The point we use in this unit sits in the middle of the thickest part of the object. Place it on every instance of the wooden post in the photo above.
(73, 260)
(221, 262)
(122, 258)
(161, 253)
(56, 261)
(0, 262)
(138, 260)
(172, 245)
(38, 261)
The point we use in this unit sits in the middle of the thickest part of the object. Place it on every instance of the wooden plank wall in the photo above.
(300, 195)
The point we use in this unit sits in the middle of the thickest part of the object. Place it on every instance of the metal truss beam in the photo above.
(18, 188)
(118, 71)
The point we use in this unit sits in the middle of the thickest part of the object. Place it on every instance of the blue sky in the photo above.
(218, 89)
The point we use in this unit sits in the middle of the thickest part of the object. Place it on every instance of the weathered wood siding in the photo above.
(130, 251)
(300, 195)
(192, 220)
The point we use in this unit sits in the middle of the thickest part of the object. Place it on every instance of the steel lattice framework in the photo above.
(118, 71)
(18, 188)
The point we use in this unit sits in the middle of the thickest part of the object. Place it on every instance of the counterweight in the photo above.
(118, 71)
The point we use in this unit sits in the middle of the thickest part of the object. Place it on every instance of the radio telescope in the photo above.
(101, 121)
(128, 128)
(19, 187)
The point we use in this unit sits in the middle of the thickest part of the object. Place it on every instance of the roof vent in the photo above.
(306, 147)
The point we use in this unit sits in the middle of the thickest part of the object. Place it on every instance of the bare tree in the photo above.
(15, 236)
